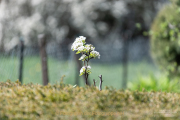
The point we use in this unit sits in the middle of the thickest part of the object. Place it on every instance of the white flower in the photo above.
(89, 47)
(81, 48)
(78, 43)
(82, 38)
(82, 57)
(88, 67)
(92, 48)
(77, 40)
(98, 56)
(82, 70)
(85, 68)
(95, 54)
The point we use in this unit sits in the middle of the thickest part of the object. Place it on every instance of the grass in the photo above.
(155, 83)
(112, 73)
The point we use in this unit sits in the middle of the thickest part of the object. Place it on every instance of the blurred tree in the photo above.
(62, 19)
(165, 39)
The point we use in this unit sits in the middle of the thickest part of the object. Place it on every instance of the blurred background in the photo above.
(119, 30)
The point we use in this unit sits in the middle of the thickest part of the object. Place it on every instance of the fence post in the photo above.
(126, 37)
(125, 63)
(21, 56)
(100, 84)
(43, 54)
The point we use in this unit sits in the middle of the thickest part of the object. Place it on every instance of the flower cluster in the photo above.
(79, 42)
(95, 54)
(88, 52)
(86, 69)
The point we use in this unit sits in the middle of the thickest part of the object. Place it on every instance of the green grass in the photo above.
(155, 83)
(111, 73)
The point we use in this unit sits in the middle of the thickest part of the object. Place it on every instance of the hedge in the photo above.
(60, 101)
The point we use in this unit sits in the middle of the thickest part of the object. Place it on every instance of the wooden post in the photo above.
(100, 84)
(21, 46)
(94, 82)
(125, 60)
(42, 44)
(125, 64)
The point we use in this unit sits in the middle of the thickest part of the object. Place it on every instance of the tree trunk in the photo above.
(42, 44)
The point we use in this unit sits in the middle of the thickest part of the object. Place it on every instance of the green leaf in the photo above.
(78, 52)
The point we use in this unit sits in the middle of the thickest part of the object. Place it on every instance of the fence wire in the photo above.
(61, 61)
(103, 22)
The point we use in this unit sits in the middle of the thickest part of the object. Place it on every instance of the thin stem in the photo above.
(86, 78)
(88, 59)
(86, 75)
(86, 64)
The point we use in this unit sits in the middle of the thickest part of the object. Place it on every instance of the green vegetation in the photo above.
(60, 101)
(165, 39)
(155, 83)
(111, 73)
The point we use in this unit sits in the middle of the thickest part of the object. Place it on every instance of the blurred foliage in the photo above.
(165, 39)
(62, 101)
(153, 83)
(63, 20)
